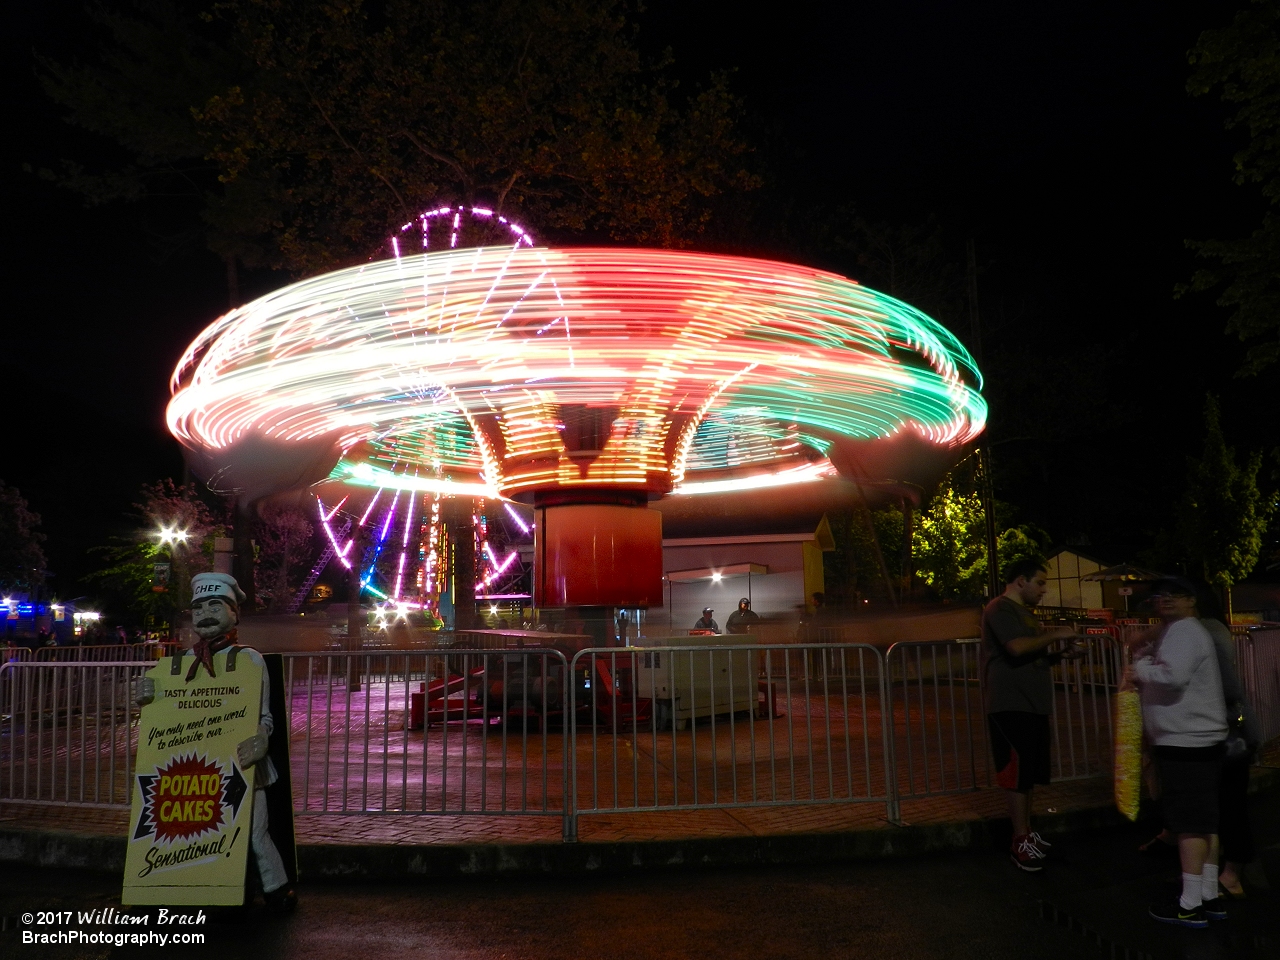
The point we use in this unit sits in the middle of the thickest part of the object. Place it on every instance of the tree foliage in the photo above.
(127, 576)
(1225, 513)
(948, 545)
(313, 130)
(22, 562)
(1242, 63)
(284, 535)
(909, 261)
(157, 61)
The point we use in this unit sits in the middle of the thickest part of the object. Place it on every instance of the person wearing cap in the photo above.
(215, 614)
(707, 622)
(740, 620)
(1184, 718)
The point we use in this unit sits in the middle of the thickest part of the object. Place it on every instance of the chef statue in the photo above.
(215, 612)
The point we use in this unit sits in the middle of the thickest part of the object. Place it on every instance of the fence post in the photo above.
(893, 806)
(570, 741)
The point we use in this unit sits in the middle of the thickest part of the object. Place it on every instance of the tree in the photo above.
(866, 541)
(174, 527)
(22, 563)
(328, 126)
(907, 261)
(1242, 62)
(949, 540)
(950, 543)
(158, 62)
(284, 536)
(1225, 514)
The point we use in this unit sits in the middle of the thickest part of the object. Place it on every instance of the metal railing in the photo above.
(450, 732)
(1082, 720)
(935, 705)
(68, 732)
(607, 730)
(104, 653)
(1258, 662)
(692, 727)
(940, 743)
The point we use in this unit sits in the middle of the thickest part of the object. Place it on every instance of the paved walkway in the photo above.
(978, 805)
(399, 847)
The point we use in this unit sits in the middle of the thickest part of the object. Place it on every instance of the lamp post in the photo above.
(170, 539)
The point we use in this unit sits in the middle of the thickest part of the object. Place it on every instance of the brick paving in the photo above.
(981, 804)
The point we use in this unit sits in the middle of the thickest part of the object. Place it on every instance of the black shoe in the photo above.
(1215, 909)
(281, 900)
(1174, 913)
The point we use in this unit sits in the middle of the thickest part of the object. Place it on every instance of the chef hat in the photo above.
(216, 585)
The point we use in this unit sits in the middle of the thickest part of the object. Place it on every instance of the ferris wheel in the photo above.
(405, 536)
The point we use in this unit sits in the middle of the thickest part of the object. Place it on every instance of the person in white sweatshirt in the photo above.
(1184, 719)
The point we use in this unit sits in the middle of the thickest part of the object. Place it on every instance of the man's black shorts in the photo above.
(1020, 745)
(1189, 787)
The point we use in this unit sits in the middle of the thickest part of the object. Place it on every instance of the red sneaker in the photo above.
(1026, 855)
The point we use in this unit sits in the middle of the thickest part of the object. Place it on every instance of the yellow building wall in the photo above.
(1065, 586)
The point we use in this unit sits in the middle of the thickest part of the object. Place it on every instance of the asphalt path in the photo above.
(1090, 902)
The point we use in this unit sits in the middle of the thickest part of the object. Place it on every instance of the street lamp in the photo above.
(169, 536)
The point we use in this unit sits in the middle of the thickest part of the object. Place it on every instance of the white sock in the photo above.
(1191, 897)
(1209, 882)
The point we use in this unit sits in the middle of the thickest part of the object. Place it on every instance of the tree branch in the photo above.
(343, 140)
(442, 158)
(502, 194)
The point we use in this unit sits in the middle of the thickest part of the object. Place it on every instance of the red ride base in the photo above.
(597, 555)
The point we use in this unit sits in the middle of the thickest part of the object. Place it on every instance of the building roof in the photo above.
(795, 512)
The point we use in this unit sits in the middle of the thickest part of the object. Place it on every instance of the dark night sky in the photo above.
(1060, 137)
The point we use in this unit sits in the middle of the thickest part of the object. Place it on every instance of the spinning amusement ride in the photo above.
(583, 382)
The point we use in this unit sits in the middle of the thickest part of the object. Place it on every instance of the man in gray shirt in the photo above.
(1184, 719)
(1016, 668)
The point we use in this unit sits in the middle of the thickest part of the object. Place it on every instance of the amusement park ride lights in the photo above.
(583, 381)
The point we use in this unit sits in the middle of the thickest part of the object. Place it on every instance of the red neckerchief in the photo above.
(205, 649)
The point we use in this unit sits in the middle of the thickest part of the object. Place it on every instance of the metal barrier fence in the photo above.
(612, 730)
(940, 741)
(434, 732)
(1258, 661)
(690, 727)
(68, 732)
(1083, 716)
(104, 653)
(939, 737)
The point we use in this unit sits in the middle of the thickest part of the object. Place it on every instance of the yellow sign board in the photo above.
(192, 803)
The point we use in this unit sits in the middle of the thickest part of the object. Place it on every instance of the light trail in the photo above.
(683, 371)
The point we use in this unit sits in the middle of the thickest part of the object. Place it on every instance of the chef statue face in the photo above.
(213, 616)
